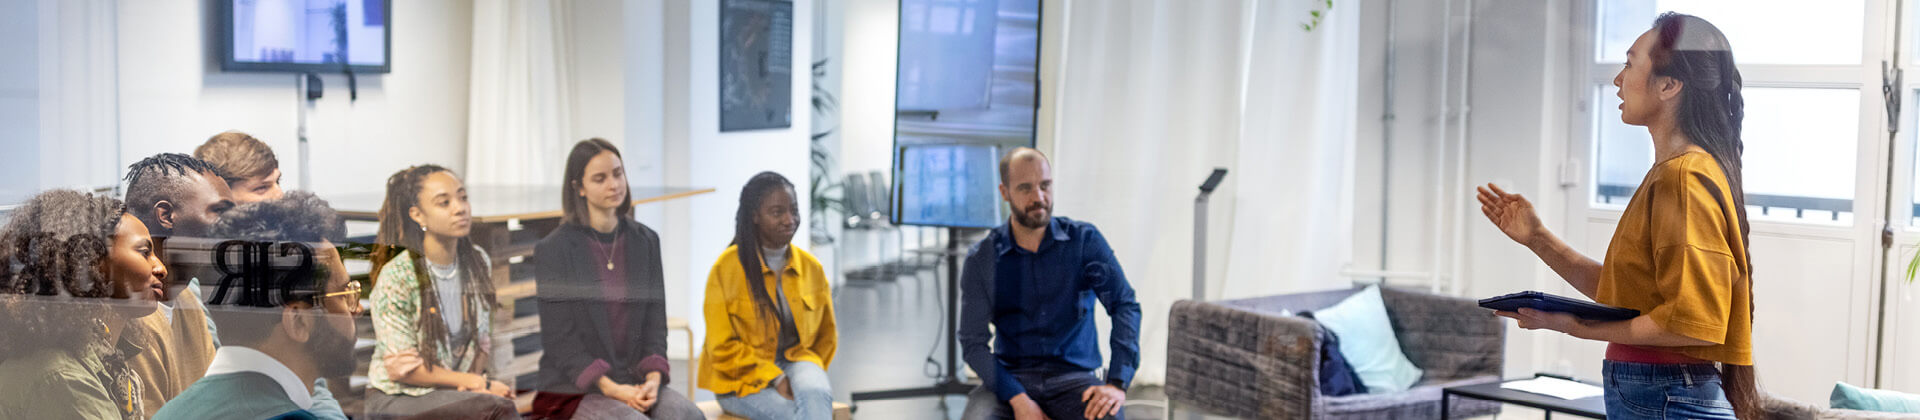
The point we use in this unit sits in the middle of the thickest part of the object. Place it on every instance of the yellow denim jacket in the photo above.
(739, 354)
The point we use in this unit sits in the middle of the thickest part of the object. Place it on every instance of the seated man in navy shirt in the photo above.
(1035, 280)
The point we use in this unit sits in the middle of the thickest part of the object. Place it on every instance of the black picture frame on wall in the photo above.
(756, 64)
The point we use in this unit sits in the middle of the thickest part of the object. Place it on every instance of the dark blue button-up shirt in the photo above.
(1040, 304)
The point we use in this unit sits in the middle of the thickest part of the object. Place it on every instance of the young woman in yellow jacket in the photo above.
(769, 309)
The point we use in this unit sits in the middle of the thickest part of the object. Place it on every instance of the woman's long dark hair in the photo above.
(573, 207)
(399, 233)
(1694, 52)
(746, 233)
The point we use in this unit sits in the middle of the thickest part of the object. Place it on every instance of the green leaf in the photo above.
(1913, 265)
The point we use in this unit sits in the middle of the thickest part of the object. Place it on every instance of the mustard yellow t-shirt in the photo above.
(1678, 256)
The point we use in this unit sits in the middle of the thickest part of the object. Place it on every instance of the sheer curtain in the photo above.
(1156, 93)
(518, 116)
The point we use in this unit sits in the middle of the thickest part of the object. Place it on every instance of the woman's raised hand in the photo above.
(1511, 213)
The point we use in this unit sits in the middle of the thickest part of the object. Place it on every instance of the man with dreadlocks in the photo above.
(175, 195)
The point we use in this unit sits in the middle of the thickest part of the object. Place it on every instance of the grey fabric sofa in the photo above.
(1778, 408)
(1243, 358)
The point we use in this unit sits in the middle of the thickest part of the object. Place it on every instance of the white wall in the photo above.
(172, 95)
(866, 119)
(1518, 132)
(596, 31)
(698, 154)
(1512, 57)
(19, 100)
(57, 109)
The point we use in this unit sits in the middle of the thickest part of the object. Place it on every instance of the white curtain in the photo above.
(518, 107)
(1156, 93)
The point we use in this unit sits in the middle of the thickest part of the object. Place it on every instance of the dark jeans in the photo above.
(1058, 395)
(1649, 391)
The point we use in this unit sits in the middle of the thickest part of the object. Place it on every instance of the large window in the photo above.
(1803, 126)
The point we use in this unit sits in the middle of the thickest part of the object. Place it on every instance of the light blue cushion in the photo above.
(1856, 398)
(1366, 339)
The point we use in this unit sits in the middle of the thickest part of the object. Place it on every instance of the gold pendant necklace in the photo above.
(613, 251)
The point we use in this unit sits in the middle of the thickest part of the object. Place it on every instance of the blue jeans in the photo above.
(1057, 394)
(812, 397)
(1650, 391)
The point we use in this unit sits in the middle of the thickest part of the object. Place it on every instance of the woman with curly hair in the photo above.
(74, 270)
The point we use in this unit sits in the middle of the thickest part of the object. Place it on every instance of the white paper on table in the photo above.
(1554, 387)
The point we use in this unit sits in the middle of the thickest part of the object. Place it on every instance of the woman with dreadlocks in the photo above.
(433, 303)
(769, 312)
(75, 270)
(1679, 254)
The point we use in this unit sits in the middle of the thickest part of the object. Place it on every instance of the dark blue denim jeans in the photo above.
(1057, 393)
(1651, 391)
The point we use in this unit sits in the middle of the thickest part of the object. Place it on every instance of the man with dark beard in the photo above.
(1035, 280)
(289, 321)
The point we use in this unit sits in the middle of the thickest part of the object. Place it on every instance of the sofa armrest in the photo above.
(1448, 337)
(1242, 363)
(1778, 407)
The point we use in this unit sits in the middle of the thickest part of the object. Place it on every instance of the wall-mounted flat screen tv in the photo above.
(306, 36)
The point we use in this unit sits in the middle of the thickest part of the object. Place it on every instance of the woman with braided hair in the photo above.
(771, 334)
(433, 301)
(75, 269)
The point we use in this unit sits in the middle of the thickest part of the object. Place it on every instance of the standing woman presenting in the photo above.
(1679, 254)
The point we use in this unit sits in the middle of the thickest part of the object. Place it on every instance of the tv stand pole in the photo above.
(950, 383)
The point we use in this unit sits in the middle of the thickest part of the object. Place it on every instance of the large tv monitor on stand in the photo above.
(967, 90)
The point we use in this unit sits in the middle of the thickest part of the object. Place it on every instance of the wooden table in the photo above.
(507, 222)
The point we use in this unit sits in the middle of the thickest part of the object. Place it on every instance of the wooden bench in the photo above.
(841, 411)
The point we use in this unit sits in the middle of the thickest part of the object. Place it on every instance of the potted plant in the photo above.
(825, 192)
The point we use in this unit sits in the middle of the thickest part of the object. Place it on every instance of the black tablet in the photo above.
(1552, 303)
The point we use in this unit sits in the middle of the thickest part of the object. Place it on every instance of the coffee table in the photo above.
(1592, 407)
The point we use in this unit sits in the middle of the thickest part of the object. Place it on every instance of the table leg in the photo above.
(1445, 407)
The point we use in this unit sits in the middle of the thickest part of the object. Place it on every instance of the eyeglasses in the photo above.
(352, 294)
